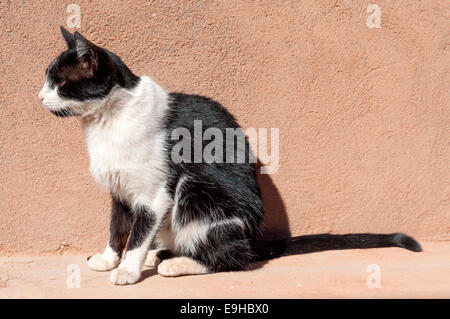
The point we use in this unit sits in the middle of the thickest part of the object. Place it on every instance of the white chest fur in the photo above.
(125, 141)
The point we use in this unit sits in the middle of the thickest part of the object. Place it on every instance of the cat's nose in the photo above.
(41, 99)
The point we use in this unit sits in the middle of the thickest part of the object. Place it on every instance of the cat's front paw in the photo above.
(124, 277)
(99, 262)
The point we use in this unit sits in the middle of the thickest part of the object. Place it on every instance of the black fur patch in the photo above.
(120, 226)
(143, 223)
(63, 112)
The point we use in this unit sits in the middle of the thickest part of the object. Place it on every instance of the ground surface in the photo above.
(331, 274)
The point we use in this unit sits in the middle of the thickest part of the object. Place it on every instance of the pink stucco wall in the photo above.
(364, 114)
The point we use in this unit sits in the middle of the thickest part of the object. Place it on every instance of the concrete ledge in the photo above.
(331, 274)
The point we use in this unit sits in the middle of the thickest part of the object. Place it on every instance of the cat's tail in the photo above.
(268, 249)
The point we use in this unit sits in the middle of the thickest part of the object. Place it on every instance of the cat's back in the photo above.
(184, 109)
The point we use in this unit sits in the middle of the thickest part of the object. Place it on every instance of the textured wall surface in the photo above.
(364, 114)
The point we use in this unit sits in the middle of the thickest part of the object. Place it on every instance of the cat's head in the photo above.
(82, 76)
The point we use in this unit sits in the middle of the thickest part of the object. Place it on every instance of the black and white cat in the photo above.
(185, 218)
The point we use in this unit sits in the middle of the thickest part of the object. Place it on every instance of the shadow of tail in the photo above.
(269, 249)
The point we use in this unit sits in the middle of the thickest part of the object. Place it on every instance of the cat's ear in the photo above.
(70, 40)
(83, 45)
(86, 52)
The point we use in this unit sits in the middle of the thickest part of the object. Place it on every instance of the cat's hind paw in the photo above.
(152, 259)
(180, 266)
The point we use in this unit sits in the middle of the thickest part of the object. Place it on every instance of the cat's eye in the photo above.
(63, 82)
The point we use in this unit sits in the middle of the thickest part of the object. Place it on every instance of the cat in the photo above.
(185, 217)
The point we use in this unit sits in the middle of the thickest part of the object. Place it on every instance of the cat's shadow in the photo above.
(148, 272)
(276, 222)
(276, 226)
